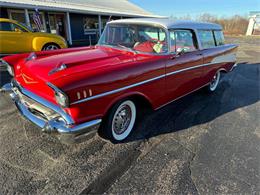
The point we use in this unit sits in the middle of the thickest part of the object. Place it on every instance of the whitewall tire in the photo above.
(214, 83)
(120, 121)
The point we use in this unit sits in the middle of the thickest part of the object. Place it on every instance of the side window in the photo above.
(5, 26)
(183, 40)
(17, 28)
(206, 38)
(148, 33)
(219, 37)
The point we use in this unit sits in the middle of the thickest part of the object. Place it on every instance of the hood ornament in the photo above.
(58, 68)
(32, 56)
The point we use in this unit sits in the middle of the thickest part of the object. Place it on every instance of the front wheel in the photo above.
(214, 83)
(120, 121)
(50, 46)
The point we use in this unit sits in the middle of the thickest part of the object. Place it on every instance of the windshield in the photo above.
(141, 38)
(25, 26)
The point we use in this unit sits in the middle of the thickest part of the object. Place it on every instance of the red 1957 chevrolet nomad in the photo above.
(75, 92)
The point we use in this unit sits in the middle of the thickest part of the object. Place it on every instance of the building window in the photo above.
(57, 24)
(90, 25)
(104, 20)
(18, 15)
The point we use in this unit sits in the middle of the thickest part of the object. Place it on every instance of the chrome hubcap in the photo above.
(215, 81)
(51, 47)
(122, 119)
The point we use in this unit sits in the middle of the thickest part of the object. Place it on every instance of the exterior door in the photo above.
(183, 72)
(14, 39)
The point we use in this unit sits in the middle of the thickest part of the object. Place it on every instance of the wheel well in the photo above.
(139, 100)
(50, 43)
(222, 70)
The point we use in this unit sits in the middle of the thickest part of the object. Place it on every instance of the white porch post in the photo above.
(27, 19)
(99, 25)
(69, 28)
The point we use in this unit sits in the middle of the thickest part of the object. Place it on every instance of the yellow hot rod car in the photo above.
(17, 38)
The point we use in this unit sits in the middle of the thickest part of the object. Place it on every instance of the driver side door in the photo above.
(183, 71)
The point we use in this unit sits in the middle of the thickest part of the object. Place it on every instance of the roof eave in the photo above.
(75, 10)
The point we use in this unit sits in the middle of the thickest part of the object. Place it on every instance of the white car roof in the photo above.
(169, 23)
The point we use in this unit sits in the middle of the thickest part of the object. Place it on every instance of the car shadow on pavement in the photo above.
(237, 89)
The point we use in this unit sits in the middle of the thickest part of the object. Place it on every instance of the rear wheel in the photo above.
(120, 121)
(214, 83)
(50, 46)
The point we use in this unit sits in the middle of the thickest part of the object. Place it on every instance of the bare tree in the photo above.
(234, 25)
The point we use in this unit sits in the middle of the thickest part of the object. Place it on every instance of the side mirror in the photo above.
(180, 51)
(17, 30)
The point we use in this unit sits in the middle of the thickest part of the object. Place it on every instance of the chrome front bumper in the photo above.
(57, 121)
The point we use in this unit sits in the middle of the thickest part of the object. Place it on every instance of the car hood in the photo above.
(47, 67)
(88, 61)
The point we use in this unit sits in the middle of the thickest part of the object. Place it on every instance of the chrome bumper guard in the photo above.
(56, 121)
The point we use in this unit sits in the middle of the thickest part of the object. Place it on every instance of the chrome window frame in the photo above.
(196, 36)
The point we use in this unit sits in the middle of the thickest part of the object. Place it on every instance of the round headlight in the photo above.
(61, 99)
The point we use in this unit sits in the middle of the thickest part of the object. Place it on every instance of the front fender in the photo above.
(39, 42)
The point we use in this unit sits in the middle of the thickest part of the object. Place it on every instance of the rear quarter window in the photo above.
(219, 37)
(206, 38)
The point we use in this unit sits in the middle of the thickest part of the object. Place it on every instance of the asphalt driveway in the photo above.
(200, 144)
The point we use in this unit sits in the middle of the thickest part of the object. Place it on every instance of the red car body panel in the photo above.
(92, 71)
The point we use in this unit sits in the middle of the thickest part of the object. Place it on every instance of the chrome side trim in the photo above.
(139, 83)
(190, 68)
(117, 90)
(44, 102)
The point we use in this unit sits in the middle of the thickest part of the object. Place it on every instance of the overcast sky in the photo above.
(197, 7)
